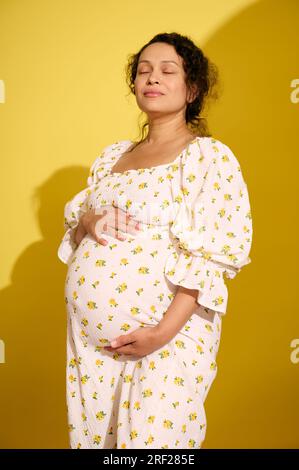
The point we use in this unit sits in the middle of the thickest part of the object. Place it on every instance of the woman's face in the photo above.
(160, 68)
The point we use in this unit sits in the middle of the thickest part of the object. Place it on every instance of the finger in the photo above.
(96, 232)
(116, 233)
(128, 350)
(131, 227)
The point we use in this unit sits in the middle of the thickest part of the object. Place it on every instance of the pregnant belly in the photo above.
(114, 289)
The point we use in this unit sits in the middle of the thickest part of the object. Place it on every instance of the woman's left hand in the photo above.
(139, 343)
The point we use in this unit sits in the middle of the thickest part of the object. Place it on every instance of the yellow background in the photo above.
(62, 63)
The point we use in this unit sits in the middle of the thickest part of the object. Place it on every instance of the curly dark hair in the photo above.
(200, 71)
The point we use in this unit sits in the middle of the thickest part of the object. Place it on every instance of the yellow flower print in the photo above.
(154, 253)
(73, 362)
(133, 434)
(72, 378)
(86, 254)
(100, 415)
(91, 305)
(142, 185)
(95, 395)
(152, 365)
(135, 310)
(128, 378)
(232, 258)
(209, 327)
(218, 301)
(221, 213)
(199, 349)
(165, 353)
(75, 295)
(128, 204)
(213, 366)
(95, 284)
(143, 270)
(180, 344)
(139, 291)
(122, 287)
(184, 428)
(157, 236)
(97, 439)
(137, 249)
(113, 303)
(99, 362)
(83, 416)
(84, 379)
(124, 261)
(151, 419)
(100, 262)
(147, 393)
(179, 381)
(191, 443)
(150, 440)
(225, 249)
(126, 404)
(167, 424)
(81, 280)
(192, 416)
(175, 404)
(199, 379)
(84, 322)
(225, 158)
(191, 177)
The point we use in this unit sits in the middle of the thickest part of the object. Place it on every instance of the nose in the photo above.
(152, 79)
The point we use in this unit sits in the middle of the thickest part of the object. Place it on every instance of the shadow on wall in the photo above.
(256, 52)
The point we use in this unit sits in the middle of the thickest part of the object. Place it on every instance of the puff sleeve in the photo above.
(213, 226)
(77, 206)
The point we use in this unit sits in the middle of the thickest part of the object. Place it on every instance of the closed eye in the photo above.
(147, 72)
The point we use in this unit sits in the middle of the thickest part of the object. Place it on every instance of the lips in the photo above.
(152, 93)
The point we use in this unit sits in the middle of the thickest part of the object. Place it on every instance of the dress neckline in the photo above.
(163, 165)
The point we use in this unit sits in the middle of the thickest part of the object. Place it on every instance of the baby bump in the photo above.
(112, 290)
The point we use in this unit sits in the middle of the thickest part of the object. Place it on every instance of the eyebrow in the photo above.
(161, 61)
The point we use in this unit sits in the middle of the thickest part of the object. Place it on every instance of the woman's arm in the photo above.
(178, 313)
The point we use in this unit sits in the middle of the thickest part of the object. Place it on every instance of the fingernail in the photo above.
(113, 343)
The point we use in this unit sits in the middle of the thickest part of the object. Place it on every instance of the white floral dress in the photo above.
(197, 232)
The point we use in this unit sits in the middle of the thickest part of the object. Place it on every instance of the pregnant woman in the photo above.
(158, 289)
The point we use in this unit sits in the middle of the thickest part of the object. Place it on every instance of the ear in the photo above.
(192, 93)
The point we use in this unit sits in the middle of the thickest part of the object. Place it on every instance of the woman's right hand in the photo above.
(109, 220)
